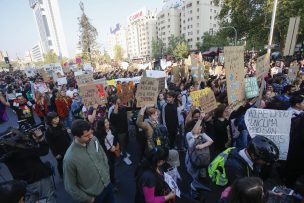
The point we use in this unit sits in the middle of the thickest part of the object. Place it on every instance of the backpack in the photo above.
(216, 169)
(199, 158)
(160, 136)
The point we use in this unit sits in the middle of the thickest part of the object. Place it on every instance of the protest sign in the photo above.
(126, 93)
(187, 61)
(62, 81)
(53, 68)
(30, 72)
(234, 67)
(262, 66)
(92, 93)
(196, 97)
(78, 60)
(292, 72)
(197, 73)
(273, 124)
(84, 78)
(251, 87)
(172, 184)
(111, 82)
(162, 84)
(87, 67)
(41, 87)
(44, 74)
(221, 58)
(147, 92)
(218, 70)
(208, 101)
(157, 74)
(176, 73)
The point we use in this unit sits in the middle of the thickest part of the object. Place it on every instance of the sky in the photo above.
(18, 30)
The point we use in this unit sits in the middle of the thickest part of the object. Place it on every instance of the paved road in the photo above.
(124, 173)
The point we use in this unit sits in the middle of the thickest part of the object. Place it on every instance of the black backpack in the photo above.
(160, 136)
(199, 158)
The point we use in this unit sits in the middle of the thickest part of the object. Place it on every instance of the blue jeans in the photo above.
(43, 189)
(106, 196)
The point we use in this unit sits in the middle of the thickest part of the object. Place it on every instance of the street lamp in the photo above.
(235, 33)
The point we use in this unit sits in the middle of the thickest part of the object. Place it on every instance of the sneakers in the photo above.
(127, 161)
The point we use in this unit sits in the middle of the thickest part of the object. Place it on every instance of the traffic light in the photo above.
(6, 59)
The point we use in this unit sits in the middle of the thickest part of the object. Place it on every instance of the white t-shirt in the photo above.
(190, 139)
(70, 93)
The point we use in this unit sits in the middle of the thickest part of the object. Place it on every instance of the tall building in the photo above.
(198, 17)
(141, 30)
(36, 53)
(169, 21)
(48, 19)
(117, 36)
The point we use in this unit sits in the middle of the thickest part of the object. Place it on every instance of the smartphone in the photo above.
(284, 190)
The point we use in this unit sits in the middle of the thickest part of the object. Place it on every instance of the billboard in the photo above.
(137, 15)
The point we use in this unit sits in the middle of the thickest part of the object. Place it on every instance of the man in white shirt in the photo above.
(296, 105)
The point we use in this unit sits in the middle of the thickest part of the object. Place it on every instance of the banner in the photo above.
(273, 124)
(92, 93)
(234, 67)
(251, 87)
(147, 92)
(208, 101)
(262, 66)
(84, 78)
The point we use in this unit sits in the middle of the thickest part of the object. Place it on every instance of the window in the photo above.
(197, 31)
(214, 25)
(210, 2)
(168, 26)
(214, 11)
(197, 17)
(197, 38)
(197, 9)
(197, 24)
(197, 2)
(210, 17)
(210, 9)
(191, 46)
(190, 11)
(184, 21)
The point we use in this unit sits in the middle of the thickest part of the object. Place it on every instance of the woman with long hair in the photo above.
(150, 184)
(57, 138)
(63, 105)
(108, 140)
(41, 106)
(3, 105)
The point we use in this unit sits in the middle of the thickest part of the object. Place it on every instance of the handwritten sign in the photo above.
(197, 73)
(172, 184)
(234, 67)
(273, 124)
(196, 97)
(62, 81)
(126, 93)
(208, 101)
(30, 72)
(84, 78)
(92, 93)
(157, 74)
(218, 70)
(251, 87)
(147, 92)
(52, 69)
(262, 66)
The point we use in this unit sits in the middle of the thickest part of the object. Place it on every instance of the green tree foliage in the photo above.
(105, 58)
(157, 48)
(88, 35)
(177, 47)
(50, 57)
(118, 52)
(252, 20)
(209, 41)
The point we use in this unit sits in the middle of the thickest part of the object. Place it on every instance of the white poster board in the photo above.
(87, 67)
(30, 72)
(157, 74)
(273, 124)
(172, 184)
(62, 81)
(53, 68)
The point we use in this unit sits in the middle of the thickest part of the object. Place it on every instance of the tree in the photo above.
(217, 40)
(157, 48)
(118, 52)
(177, 46)
(252, 20)
(88, 35)
(50, 57)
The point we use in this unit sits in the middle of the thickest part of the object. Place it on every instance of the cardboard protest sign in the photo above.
(218, 70)
(176, 73)
(62, 81)
(196, 97)
(234, 67)
(157, 74)
(197, 73)
(92, 93)
(126, 93)
(84, 78)
(251, 87)
(292, 72)
(208, 101)
(162, 84)
(262, 66)
(111, 82)
(40, 87)
(273, 124)
(53, 68)
(147, 92)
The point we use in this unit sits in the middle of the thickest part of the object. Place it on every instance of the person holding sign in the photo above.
(150, 184)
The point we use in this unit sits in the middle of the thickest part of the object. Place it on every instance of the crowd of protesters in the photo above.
(87, 141)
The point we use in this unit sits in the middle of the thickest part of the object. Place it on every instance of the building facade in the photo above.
(48, 20)
(37, 53)
(198, 17)
(141, 30)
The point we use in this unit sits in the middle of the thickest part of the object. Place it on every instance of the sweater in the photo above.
(85, 170)
(58, 139)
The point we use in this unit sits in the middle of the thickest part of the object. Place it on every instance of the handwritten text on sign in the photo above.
(147, 92)
(262, 66)
(84, 78)
(208, 101)
(196, 97)
(251, 87)
(92, 94)
(273, 124)
(234, 67)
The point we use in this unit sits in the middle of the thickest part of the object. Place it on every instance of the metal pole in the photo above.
(272, 25)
